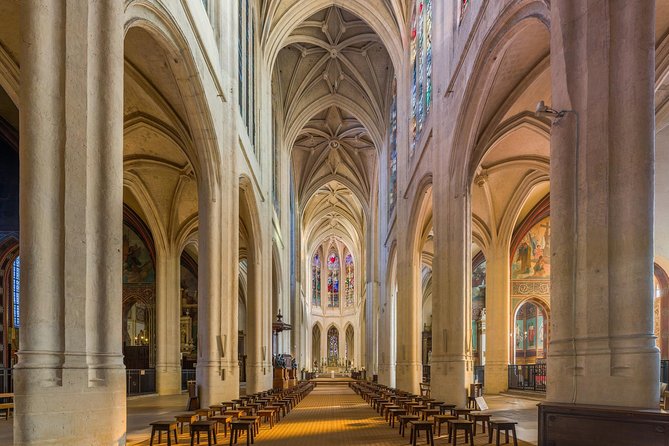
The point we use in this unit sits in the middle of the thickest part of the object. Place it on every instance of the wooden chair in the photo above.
(502, 425)
(268, 416)
(425, 389)
(484, 418)
(242, 427)
(404, 420)
(463, 425)
(164, 426)
(417, 426)
(184, 418)
(203, 426)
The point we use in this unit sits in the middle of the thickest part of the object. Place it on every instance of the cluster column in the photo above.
(497, 319)
(452, 365)
(70, 365)
(602, 155)
(168, 364)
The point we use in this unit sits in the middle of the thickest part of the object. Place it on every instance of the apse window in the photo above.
(16, 289)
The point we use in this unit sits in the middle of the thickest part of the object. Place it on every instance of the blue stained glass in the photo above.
(421, 76)
(392, 153)
(333, 345)
(316, 281)
(16, 291)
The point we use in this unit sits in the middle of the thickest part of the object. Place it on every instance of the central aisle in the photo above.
(331, 415)
(335, 415)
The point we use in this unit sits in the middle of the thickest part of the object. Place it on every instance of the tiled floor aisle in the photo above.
(335, 415)
(329, 415)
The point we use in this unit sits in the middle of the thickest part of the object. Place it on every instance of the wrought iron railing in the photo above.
(140, 381)
(479, 374)
(426, 373)
(187, 375)
(528, 377)
(6, 380)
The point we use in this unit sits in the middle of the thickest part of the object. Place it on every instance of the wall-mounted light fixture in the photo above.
(544, 111)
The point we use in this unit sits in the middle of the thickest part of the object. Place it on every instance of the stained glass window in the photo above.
(421, 69)
(316, 280)
(392, 153)
(276, 168)
(246, 53)
(16, 290)
(333, 280)
(333, 345)
(350, 280)
(463, 7)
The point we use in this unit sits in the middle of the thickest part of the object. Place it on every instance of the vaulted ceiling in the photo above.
(331, 84)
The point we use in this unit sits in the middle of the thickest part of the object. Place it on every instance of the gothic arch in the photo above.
(275, 35)
(161, 25)
(509, 25)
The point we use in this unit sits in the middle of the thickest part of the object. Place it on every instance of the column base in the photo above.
(450, 379)
(589, 378)
(408, 376)
(168, 380)
(386, 378)
(65, 406)
(258, 378)
(215, 384)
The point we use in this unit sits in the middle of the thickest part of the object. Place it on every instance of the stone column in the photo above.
(257, 352)
(602, 347)
(497, 318)
(70, 365)
(409, 366)
(217, 366)
(168, 323)
(452, 365)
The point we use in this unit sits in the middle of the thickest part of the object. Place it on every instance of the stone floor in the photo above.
(330, 415)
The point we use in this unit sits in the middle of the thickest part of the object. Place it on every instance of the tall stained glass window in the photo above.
(350, 280)
(246, 54)
(333, 345)
(392, 153)
(421, 69)
(316, 280)
(333, 279)
(463, 7)
(16, 291)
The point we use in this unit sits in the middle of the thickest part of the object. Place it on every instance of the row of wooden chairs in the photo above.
(241, 416)
(423, 413)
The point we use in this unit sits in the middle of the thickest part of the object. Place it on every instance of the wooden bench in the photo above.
(6, 405)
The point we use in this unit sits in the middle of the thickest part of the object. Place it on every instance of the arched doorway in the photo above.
(350, 346)
(139, 305)
(661, 318)
(188, 320)
(530, 346)
(316, 347)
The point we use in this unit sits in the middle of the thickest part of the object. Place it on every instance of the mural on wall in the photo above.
(137, 263)
(188, 320)
(478, 307)
(138, 301)
(532, 257)
(478, 290)
(188, 287)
